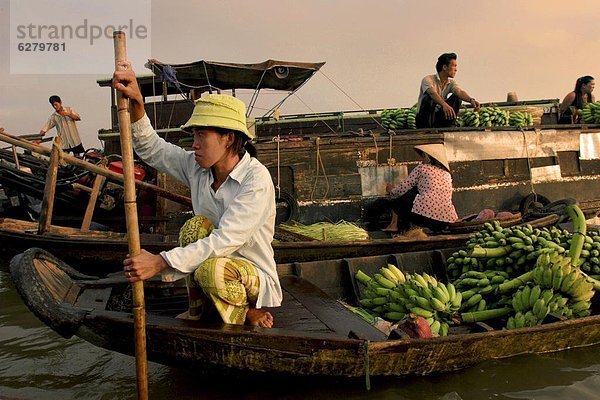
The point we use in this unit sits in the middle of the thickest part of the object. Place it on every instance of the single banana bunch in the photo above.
(478, 289)
(520, 118)
(411, 117)
(534, 303)
(469, 118)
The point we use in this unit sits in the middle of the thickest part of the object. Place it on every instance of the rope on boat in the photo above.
(391, 144)
(319, 163)
(351, 99)
(366, 363)
(376, 149)
(312, 111)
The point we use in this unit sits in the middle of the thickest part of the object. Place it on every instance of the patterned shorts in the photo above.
(230, 284)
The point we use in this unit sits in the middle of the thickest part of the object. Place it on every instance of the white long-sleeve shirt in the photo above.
(242, 211)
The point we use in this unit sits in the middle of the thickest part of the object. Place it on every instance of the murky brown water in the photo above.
(36, 363)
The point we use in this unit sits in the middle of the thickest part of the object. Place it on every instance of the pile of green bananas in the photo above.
(513, 250)
(494, 116)
(520, 118)
(394, 118)
(399, 118)
(590, 114)
(392, 295)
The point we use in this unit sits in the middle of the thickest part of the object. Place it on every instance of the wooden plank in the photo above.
(89, 211)
(50, 187)
(330, 312)
(94, 298)
(292, 315)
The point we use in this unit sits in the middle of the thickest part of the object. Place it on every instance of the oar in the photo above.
(133, 234)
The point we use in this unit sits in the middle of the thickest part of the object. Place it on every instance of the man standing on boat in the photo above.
(64, 120)
(440, 96)
(233, 267)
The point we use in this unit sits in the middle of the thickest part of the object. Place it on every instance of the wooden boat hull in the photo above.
(97, 251)
(74, 304)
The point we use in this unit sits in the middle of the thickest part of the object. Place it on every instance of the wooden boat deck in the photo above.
(305, 307)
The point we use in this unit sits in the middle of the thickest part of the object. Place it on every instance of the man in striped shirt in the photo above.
(64, 120)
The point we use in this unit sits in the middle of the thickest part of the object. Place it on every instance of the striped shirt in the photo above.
(65, 127)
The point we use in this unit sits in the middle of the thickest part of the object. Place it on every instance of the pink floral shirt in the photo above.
(435, 192)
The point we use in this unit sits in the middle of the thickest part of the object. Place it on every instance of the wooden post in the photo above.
(14, 149)
(89, 211)
(133, 234)
(50, 188)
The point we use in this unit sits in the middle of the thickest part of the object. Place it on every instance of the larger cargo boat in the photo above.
(332, 166)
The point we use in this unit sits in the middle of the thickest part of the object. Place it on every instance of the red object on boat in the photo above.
(416, 327)
(117, 166)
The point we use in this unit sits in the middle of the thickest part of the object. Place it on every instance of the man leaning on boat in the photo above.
(232, 268)
(440, 96)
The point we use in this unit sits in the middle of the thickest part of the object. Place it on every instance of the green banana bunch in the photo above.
(493, 116)
(392, 295)
(554, 271)
(469, 118)
(521, 320)
(590, 114)
(520, 118)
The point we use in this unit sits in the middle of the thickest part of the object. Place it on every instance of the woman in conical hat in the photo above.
(229, 265)
(424, 198)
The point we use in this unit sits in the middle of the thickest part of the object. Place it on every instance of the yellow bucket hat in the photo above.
(219, 111)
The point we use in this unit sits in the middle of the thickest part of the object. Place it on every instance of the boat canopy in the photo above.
(210, 75)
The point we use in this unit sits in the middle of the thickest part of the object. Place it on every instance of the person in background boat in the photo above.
(424, 198)
(64, 118)
(576, 100)
(233, 267)
(440, 96)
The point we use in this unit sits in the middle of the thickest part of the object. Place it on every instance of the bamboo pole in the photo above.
(4, 137)
(50, 188)
(133, 235)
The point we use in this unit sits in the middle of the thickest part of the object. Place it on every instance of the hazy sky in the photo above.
(376, 51)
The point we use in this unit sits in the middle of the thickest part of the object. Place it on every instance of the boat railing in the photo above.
(101, 171)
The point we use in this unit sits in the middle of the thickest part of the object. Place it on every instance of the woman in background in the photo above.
(576, 100)
(424, 198)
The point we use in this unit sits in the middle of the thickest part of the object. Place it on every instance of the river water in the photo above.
(37, 363)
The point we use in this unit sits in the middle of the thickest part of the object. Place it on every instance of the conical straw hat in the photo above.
(436, 151)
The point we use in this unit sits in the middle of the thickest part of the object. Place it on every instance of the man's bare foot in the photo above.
(261, 318)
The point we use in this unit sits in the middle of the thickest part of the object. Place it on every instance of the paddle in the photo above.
(133, 234)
